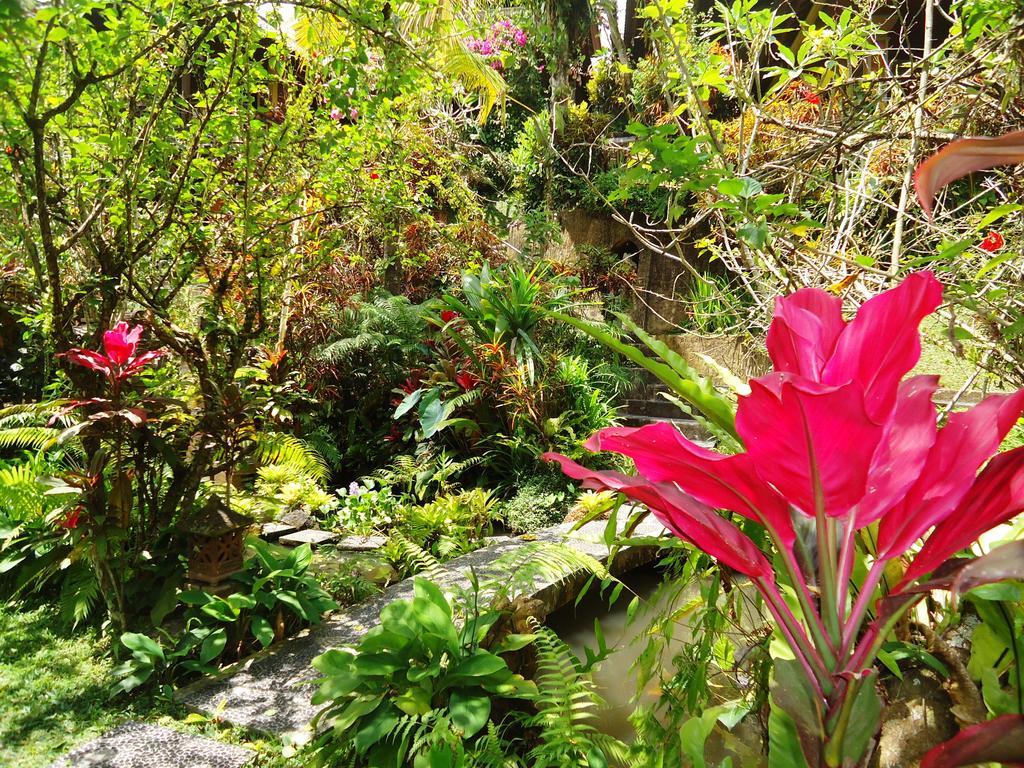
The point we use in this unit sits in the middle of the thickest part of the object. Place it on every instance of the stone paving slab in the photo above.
(271, 691)
(272, 531)
(360, 543)
(311, 536)
(145, 745)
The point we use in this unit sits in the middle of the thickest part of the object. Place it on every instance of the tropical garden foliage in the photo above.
(407, 273)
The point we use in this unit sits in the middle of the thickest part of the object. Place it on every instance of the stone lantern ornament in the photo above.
(216, 544)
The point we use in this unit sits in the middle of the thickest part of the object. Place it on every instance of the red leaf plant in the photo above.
(964, 156)
(119, 361)
(835, 436)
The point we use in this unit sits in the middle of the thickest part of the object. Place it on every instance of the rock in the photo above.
(916, 719)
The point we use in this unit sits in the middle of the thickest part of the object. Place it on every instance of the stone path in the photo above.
(144, 745)
(271, 691)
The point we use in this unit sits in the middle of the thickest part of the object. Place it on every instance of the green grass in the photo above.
(55, 694)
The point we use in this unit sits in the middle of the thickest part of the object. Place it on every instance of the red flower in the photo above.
(120, 361)
(466, 380)
(447, 315)
(374, 175)
(70, 520)
(993, 242)
(812, 98)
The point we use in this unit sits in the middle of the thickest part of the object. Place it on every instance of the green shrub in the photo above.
(542, 500)
(278, 596)
(419, 687)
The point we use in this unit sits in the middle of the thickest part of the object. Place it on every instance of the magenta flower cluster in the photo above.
(503, 37)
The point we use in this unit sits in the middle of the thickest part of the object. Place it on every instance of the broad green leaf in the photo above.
(744, 187)
(998, 213)
(213, 645)
(469, 711)
(143, 645)
(262, 630)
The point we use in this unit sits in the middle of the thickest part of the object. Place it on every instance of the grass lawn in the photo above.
(55, 694)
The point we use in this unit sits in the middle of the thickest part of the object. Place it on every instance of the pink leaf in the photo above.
(138, 363)
(961, 157)
(997, 741)
(662, 453)
(901, 454)
(882, 342)
(962, 445)
(805, 438)
(804, 331)
(89, 359)
(997, 495)
(120, 343)
(682, 514)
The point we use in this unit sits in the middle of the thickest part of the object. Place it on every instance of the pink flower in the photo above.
(353, 114)
(519, 38)
(119, 362)
(486, 48)
(993, 242)
(337, 114)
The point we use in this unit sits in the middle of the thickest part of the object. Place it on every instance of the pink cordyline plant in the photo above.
(118, 360)
(837, 440)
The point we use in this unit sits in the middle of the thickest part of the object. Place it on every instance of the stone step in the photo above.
(274, 531)
(145, 745)
(690, 428)
(359, 543)
(658, 408)
(271, 691)
(312, 536)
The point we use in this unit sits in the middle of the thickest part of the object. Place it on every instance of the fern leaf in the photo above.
(78, 593)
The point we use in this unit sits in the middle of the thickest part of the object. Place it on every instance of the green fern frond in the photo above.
(28, 438)
(467, 397)
(567, 706)
(276, 448)
(538, 563)
(21, 497)
(79, 593)
(422, 562)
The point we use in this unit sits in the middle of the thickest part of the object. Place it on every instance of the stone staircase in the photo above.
(645, 405)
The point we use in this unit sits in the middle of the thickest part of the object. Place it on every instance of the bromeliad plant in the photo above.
(837, 441)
